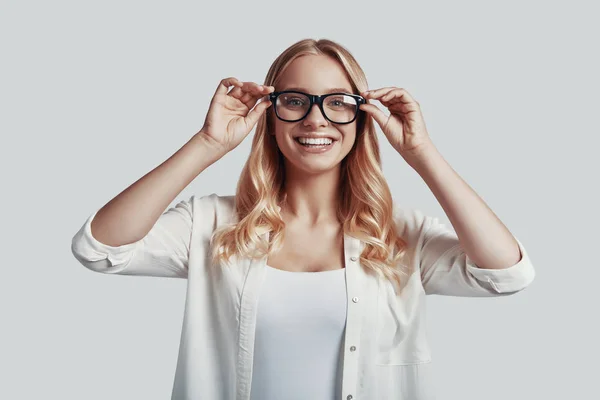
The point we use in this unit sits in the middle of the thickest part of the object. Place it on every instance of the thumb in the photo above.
(376, 113)
(253, 116)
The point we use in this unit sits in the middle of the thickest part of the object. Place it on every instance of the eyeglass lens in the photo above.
(338, 107)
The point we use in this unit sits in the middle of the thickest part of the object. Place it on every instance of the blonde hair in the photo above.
(366, 206)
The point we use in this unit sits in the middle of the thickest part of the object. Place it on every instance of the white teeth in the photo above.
(304, 140)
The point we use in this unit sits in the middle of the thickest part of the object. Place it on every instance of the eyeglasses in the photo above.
(339, 108)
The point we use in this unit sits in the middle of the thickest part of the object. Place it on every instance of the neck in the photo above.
(312, 198)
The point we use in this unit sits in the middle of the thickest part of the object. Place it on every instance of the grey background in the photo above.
(96, 94)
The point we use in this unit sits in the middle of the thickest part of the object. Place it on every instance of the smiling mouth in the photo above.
(316, 148)
(297, 140)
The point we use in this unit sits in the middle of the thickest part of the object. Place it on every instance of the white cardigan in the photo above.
(386, 354)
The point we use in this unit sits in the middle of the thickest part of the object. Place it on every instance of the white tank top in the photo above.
(300, 326)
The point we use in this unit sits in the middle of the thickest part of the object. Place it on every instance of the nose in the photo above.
(315, 117)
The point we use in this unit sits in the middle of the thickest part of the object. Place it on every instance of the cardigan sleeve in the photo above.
(446, 269)
(163, 252)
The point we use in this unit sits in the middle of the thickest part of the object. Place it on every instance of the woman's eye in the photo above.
(336, 103)
(295, 102)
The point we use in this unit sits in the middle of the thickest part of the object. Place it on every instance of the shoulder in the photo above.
(214, 202)
(408, 219)
(216, 207)
(415, 225)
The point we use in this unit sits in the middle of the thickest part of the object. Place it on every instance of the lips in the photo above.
(314, 137)
(318, 149)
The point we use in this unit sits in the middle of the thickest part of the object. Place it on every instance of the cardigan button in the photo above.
(349, 397)
(355, 299)
(352, 348)
(353, 258)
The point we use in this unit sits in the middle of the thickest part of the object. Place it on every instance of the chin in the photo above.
(314, 167)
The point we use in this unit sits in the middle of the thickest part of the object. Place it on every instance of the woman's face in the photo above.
(316, 75)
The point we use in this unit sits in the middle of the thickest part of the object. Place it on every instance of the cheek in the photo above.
(279, 131)
(283, 131)
(275, 125)
(349, 135)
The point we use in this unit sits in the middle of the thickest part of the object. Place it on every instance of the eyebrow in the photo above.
(332, 90)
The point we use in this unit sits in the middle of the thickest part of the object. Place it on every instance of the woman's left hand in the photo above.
(405, 126)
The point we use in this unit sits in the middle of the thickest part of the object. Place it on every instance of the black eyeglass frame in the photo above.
(318, 100)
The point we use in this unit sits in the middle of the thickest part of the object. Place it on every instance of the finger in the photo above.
(246, 91)
(399, 95)
(236, 92)
(243, 103)
(249, 99)
(377, 93)
(243, 96)
(256, 89)
(255, 114)
(226, 83)
(253, 92)
(376, 113)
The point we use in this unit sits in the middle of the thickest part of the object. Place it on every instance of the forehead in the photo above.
(315, 74)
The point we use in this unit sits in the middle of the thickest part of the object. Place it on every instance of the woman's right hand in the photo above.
(229, 119)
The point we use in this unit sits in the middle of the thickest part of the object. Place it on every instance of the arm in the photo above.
(480, 257)
(133, 235)
(129, 216)
(482, 235)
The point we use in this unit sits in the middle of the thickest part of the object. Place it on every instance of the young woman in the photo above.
(310, 282)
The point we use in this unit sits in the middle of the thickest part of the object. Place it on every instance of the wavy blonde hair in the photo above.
(366, 206)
